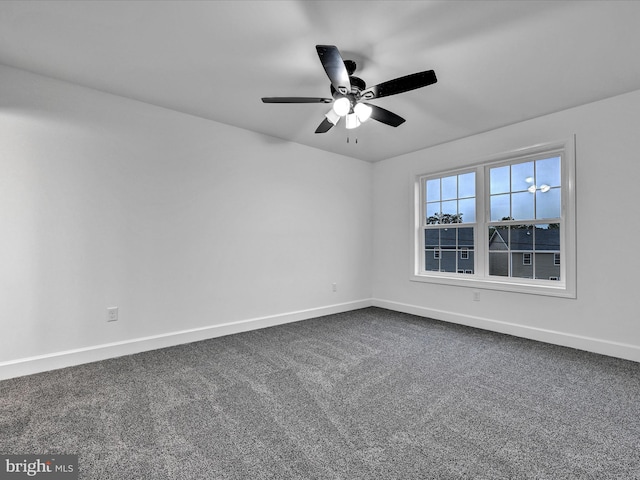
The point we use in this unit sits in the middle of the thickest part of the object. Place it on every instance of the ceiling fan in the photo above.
(350, 92)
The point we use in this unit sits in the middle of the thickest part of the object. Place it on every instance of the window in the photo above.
(449, 205)
(507, 223)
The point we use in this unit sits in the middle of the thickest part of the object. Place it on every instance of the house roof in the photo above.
(525, 239)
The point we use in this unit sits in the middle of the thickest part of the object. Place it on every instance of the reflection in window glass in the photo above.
(522, 176)
(526, 191)
(548, 172)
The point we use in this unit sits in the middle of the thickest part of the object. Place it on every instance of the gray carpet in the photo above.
(370, 394)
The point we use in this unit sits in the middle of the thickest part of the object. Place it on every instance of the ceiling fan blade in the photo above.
(296, 100)
(335, 68)
(400, 85)
(325, 126)
(385, 116)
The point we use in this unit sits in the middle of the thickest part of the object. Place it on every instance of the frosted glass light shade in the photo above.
(362, 111)
(352, 121)
(332, 116)
(342, 106)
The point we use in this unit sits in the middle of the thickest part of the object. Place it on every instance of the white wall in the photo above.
(606, 315)
(196, 229)
(184, 224)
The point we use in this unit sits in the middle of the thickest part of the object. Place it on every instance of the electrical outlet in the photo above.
(334, 287)
(112, 314)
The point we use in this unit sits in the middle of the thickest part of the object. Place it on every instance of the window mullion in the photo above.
(482, 215)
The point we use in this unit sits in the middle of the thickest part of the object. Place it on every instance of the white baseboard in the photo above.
(54, 361)
(589, 344)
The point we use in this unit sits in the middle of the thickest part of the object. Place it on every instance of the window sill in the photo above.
(550, 288)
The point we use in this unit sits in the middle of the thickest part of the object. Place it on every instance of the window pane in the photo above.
(450, 187)
(433, 209)
(548, 203)
(465, 237)
(522, 206)
(433, 190)
(499, 180)
(431, 264)
(545, 267)
(467, 208)
(450, 207)
(498, 238)
(432, 238)
(467, 185)
(547, 238)
(500, 207)
(466, 264)
(522, 237)
(522, 176)
(448, 261)
(448, 237)
(520, 267)
(499, 264)
(548, 172)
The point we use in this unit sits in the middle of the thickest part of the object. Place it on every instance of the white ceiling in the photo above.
(497, 62)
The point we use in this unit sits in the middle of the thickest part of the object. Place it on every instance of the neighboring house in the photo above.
(534, 252)
(523, 252)
(450, 250)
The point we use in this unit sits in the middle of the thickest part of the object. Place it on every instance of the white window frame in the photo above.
(566, 287)
(526, 258)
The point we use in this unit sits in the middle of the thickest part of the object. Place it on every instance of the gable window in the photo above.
(507, 223)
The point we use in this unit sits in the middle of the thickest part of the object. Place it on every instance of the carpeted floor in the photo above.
(369, 394)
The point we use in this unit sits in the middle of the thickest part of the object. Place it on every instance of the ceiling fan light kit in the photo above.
(349, 92)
